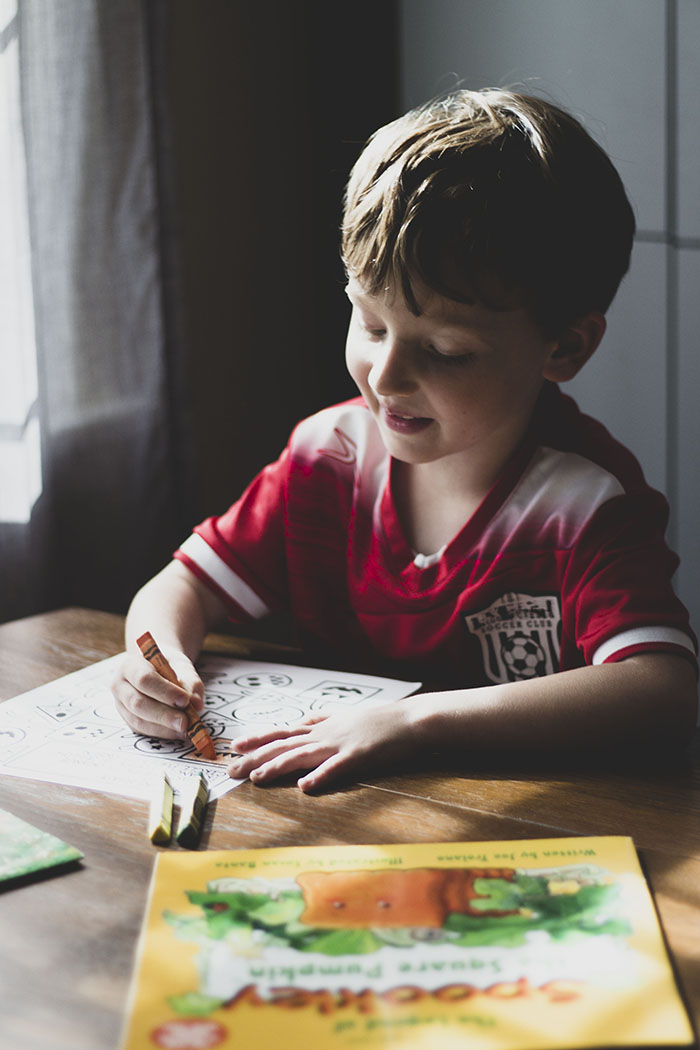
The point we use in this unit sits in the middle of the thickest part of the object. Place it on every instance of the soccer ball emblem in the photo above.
(524, 657)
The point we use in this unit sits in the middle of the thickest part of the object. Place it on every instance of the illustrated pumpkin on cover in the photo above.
(412, 897)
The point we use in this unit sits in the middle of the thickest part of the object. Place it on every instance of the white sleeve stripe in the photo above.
(642, 636)
(199, 551)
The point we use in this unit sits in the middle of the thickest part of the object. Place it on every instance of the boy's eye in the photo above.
(449, 357)
(372, 328)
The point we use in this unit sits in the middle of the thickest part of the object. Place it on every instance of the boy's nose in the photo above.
(391, 371)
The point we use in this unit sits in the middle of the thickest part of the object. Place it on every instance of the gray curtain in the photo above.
(111, 411)
(185, 170)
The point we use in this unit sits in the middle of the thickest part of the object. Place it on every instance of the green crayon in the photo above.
(194, 801)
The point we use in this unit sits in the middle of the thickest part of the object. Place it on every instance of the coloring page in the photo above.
(69, 731)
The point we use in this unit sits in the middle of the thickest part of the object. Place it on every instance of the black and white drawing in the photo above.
(69, 732)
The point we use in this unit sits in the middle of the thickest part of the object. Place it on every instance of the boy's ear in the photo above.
(574, 347)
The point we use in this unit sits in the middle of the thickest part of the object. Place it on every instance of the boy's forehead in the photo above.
(431, 304)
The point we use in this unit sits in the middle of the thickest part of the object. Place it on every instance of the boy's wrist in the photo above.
(453, 718)
(431, 722)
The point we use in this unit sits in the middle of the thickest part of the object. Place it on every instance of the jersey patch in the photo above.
(519, 636)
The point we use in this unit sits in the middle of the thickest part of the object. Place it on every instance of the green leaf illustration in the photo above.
(194, 1004)
(343, 942)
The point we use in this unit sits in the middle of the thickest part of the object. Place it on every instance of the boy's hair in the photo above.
(490, 195)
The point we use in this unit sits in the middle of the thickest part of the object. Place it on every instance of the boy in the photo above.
(461, 521)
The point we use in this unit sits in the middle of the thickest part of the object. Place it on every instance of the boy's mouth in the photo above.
(404, 424)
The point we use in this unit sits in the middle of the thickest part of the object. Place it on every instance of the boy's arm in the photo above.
(647, 701)
(178, 610)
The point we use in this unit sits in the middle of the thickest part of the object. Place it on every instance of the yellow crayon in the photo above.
(196, 731)
(160, 816)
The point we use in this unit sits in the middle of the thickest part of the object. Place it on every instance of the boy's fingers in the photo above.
(289, 762)
(145, 705)
(324, 773)
(145, 680)
(151, 718)
(189, 679)
(245, 764)
(265, 756)
(256, 740)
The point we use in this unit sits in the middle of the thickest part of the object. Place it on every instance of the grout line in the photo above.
(672, 277)
(671, 239)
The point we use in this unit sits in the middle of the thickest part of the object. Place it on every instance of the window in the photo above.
(20, 453)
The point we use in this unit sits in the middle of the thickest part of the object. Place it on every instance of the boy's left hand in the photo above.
(329, 748)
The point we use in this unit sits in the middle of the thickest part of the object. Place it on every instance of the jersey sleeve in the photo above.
(240, 555)
(618, 585)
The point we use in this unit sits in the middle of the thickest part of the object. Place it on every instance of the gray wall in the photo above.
(630, 70)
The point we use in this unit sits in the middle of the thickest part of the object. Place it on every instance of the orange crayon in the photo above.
(196, 731)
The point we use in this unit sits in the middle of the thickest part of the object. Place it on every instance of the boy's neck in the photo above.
(435, 500)
(430, 509)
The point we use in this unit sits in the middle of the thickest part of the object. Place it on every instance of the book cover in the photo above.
(523, 945)
(26, 850)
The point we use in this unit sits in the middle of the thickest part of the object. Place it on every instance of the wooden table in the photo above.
(67, 944)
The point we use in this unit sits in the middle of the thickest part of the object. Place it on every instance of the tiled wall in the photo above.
(685, 305)
(630, 70)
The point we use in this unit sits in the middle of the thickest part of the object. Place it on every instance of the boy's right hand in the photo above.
(151, 705)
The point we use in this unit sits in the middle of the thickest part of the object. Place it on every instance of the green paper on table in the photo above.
(25, 850)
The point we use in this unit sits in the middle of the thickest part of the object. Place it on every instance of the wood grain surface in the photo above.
(68, 942)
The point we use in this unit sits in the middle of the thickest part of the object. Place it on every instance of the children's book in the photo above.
(525, 945)
(26, 850)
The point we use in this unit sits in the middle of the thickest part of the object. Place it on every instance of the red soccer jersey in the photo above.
(563, 564)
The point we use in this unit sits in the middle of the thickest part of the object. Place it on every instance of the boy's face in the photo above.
(457, 380)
